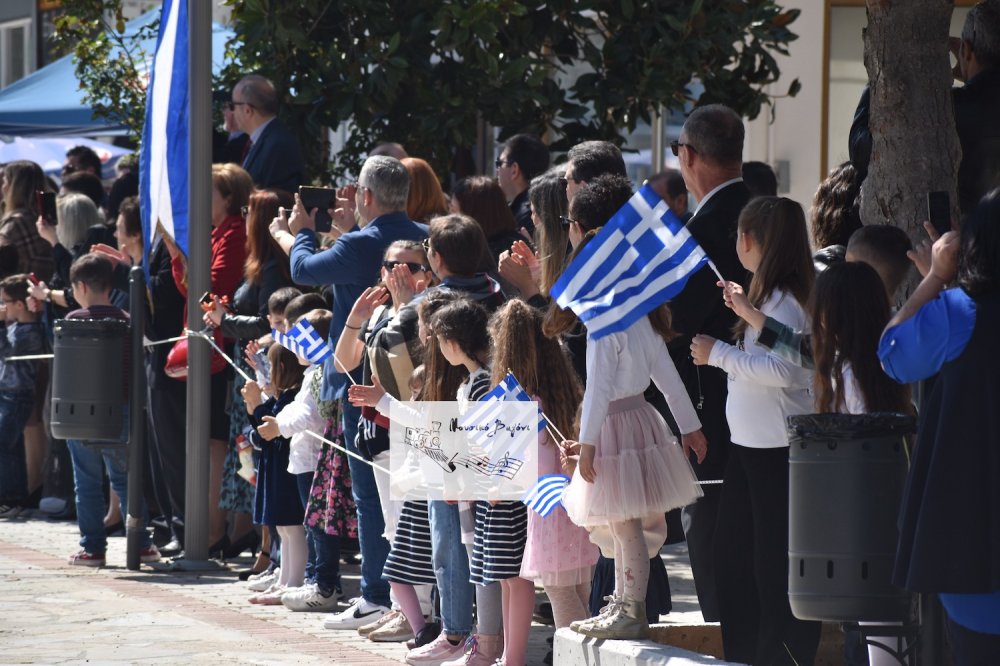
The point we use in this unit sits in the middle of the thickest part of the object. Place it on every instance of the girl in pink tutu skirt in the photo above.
(630, 464)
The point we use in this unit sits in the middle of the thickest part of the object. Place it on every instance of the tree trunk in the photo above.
(915, 149)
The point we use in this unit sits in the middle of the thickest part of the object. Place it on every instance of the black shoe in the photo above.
(249, 541)
(544, 614)
(115, 529)
(430, 631)
(217, 551)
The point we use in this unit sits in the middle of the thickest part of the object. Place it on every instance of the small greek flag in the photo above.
(488, 409)
(547, 494)
(639, 260)
(304, 341)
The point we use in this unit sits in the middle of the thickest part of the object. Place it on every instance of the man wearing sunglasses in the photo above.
(274, 158)
(523, 157)
(710, 152)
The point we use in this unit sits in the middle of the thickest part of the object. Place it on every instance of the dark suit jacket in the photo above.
(275, 159)
(977, 108)
(700, 309)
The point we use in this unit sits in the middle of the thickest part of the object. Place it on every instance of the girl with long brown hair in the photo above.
(764, 389)
(557, 554)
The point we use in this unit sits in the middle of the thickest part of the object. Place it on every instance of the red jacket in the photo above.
(228, 258)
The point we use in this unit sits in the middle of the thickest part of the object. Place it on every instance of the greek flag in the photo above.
(489, 405)
(163, 162)
(304, 341)
(547, 494)
(640, 259)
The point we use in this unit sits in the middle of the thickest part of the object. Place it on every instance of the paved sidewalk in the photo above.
(60, 614)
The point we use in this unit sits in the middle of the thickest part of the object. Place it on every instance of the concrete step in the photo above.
(573, 649)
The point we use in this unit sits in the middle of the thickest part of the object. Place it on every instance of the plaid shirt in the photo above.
(34, 254)
(793, 346)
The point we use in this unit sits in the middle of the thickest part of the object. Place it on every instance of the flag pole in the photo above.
(196, 493)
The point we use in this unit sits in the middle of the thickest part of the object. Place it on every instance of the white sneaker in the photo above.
(263, 581)
(307, 598)
(359, 613)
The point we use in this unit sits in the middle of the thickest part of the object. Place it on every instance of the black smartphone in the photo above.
(46, 202)
(320, 198)
(939, 211)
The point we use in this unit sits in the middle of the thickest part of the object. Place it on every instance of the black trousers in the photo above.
(751, 550)
(167, 415)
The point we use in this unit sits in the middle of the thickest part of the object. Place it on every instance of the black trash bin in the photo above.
(89, 397)
(846, 477)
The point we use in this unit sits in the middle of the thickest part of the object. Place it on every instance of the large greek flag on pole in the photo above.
(640, 259)
(163, 162)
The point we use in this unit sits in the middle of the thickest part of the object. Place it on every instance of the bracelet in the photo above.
(353, 328)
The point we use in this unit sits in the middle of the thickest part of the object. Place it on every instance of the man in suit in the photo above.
(669, 184)
(710, 151)
(523, 157)
(350, 266)
(274, 159)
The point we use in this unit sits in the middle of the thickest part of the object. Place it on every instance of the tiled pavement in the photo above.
(54, 613)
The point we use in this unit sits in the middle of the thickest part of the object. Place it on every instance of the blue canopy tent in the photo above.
(49, 102)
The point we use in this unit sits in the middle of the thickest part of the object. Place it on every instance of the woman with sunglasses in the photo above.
(374, 339)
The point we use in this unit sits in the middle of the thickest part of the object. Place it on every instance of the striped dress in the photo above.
(409, 560)
(501, 530)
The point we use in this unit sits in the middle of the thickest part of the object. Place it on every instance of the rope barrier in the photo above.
(46, 357)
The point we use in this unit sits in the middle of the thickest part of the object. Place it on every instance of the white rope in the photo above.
(46, 357)
(344, 450)
(711, 482)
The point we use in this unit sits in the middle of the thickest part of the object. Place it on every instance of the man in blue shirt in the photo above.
(350, 266)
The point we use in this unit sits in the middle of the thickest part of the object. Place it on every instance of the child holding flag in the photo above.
(630, 465)
(558, 554)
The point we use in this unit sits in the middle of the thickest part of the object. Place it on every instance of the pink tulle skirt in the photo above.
(639, 466)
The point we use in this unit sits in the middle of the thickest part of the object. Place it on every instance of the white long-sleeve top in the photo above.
(764, 388)
(620, 365)
(298, 416)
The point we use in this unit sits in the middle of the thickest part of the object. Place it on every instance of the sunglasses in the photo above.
(232, 105)
(675, 147)
(413, 266)
(565, 221)
(426, 244)
(500, 163)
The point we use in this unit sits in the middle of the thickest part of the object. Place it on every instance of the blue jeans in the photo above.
(15, 408)
(304, 483)
(89, 463)
(451, 568)
(371, 525)
(326, 572)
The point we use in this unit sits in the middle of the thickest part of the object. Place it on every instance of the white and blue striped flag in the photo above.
(639, 260)
(547, 494)
(163, 162)
(304, 341)
(489, 407)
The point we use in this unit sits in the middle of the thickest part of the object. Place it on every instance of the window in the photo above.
(15, 51)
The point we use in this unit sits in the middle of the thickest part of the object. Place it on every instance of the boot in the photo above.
(612, 604)
(480, 650)
(628, 622)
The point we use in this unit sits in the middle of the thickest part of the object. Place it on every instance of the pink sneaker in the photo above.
(150, 554)
(436, 652)
(85, 559)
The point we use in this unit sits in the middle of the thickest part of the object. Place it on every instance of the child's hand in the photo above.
(568, 462)
(695, 441)
(251, 396)
(366, 396)
(249, 354)
(370, 298)
(944, 257)
(570, 447)
(268, 430)
(586, 464)
(736, 300)
(701, 348)
(213, 317)
(402, 285)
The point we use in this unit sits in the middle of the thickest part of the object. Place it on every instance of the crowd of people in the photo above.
(432, 296)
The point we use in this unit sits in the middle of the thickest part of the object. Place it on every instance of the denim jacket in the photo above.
(17, 339)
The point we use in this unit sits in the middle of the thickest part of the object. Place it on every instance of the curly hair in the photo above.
(538, 362)
(834, 210)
